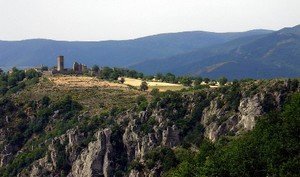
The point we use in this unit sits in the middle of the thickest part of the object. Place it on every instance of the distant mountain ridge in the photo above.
(255, 53)
(276, 54)
(111, 53)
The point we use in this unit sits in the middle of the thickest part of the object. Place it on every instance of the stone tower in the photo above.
(60, 63)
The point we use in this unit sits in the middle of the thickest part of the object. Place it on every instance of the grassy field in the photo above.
(95, 95)
(162, 86)
(83, 82)
(92, 82)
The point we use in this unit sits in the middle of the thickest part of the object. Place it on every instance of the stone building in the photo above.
(79, 68)
(60, 63)
(76, 67)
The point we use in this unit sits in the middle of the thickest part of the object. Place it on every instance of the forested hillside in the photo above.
(247, 128)
(122, 53)
(261, 56)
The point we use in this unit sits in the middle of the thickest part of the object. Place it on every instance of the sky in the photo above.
(94, 20)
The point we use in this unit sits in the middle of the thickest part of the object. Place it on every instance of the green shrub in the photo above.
(30, 74)
(62, 163)
(67, 105)
(141, 102)
(164, 155)
(135, 165)
(45, 101)
(147, 127)
(155, 92)
(21, 161)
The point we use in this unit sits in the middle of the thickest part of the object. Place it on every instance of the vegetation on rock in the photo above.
(51, 130)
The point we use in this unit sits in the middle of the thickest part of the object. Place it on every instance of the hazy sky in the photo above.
(124, 19)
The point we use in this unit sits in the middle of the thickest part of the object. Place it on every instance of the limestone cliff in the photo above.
(171, 121)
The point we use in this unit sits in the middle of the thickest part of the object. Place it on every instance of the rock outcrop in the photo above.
(6, 155)
(95, 160)
(158, 126)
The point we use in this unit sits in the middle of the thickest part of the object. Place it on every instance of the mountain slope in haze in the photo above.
(260, 56)
(111, 53)
(176, 64)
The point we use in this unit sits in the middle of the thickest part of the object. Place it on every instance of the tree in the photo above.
(3, 90)
(198, 81)
(113, 76)
(171, 78)
(144, 86)
(235, 82)
(105, 73)
(44, 68)
(223, 80)
(140, 75)
(12, 81)
(206, 80)
(140, 99)
(122, 80)
(95, 68)
(19, 75)
(186, 81)
(133, 74)
(159, 76)
(30, 74)
(45, 101)
(293, 84)
(154, 92)
(149, 77)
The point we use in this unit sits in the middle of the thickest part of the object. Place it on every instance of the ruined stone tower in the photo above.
(60, 63)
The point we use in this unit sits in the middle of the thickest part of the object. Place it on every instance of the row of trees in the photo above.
(108, 73)
(186, 80)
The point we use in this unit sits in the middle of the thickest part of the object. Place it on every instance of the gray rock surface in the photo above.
(147, 130)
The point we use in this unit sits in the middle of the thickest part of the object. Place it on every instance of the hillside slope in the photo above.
(261, 56)
(57, 130)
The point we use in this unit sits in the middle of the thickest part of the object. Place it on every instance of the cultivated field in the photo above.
(89, 82)
(82, 81)
(162, 86)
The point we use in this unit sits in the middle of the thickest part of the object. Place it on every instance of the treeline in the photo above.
(17, 79)
(111, 74)
(108, 73)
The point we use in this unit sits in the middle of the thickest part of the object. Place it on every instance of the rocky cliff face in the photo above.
(94, 160)
(167, 122)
